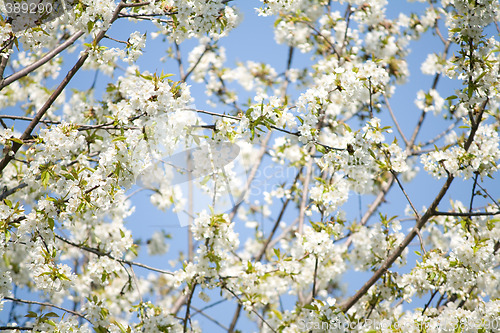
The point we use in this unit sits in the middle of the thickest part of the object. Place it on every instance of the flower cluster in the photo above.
(481, 158)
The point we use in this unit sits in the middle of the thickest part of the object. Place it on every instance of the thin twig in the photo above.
(103, 254)
(136, 4)
(315, 277)
(258, 314)
(212, 319)
(178, 57)
(321, 35)
(13, 299)
(473, 192)
(371, 97)
(327, 147)
(185, 77)
(404, 192)
(422, 115)
(28, 119)
(5, 58)
(251, 176)
(347, 18)
(374, 205)
(188, 307)
(489, 196)
(116, 40)
(283, 234)
(430, 300)
(400, 131)
(442, 134)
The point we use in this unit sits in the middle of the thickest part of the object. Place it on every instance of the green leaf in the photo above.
(90, 25)
(321, 149)
(310, 307)
(277, 314)
(45, 177)
(16, 140)
(51, 315)
(31, 314)
(51, 223)
(100, 329)
(133, 249)
(119, 138)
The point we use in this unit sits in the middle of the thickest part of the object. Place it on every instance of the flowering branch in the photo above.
(13, 299)
(15, 146)
(101, 254)
(40, 62)
(345, 306)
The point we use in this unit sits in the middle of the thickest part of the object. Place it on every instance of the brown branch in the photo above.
(15, 328)
(5, 60)
(315, 277)
(235, 318)
(345, 306)
(188, 307)
(466, 214)
(40, 62)
(18, 300)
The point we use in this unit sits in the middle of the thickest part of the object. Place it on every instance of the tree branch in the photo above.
(18, 300)
(40, 62)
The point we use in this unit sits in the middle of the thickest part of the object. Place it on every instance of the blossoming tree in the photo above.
(72, 158)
